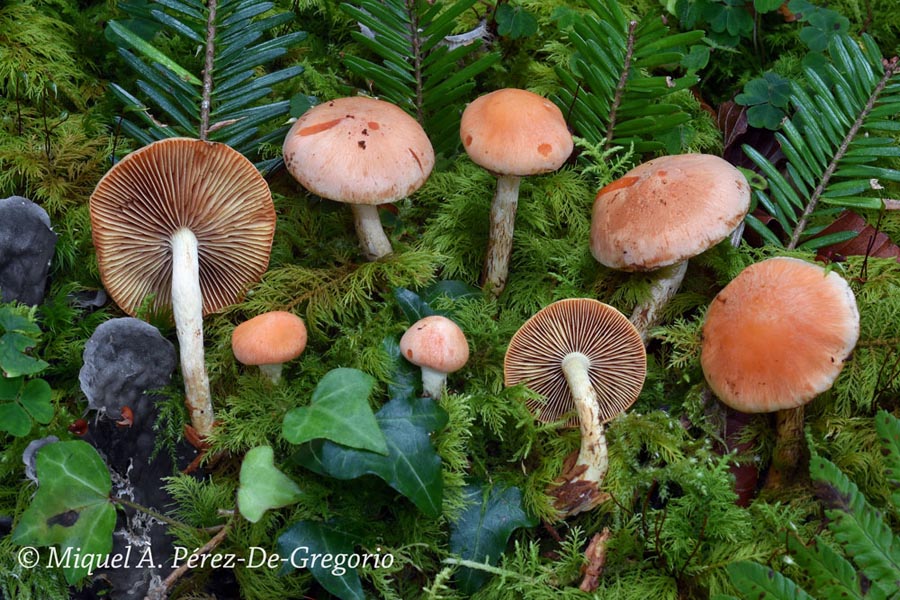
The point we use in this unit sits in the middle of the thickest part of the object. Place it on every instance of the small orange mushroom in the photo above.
(268, 341)
(439, 347)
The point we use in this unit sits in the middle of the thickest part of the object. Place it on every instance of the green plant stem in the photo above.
(156, 515)
(207, 70)
(890, 68)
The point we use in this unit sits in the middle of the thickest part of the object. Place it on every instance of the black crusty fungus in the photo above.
(125, 360)
(27, 244)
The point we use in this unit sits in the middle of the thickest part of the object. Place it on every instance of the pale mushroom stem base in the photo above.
(187, 307)
(503, 221)
(272, 372)
(373, 242)
(788, 457)
(578, 488)
(433, 383)
(665, 284)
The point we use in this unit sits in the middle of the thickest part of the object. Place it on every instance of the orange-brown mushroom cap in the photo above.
(270, 338)
(176, 183)
(437, 343)
(515, 132)
(667, 210)
(358, 150)
(618, 361)
(778, 335)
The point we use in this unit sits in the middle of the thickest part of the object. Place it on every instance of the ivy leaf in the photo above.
(483, 529)
(515, 22)
(339, 411)
(19, 404)
(263, 486)
(71, 507)
(305, 538)
(412, 466)
(406, 378)
(767, 97)
(19, 335)
(451, 288)
(412, 305)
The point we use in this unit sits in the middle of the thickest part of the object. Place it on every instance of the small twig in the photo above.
(864, 269)
(890, 68)
(161, 591)
(696, 548)
(156, 515)
(620, 86)
(207, 70)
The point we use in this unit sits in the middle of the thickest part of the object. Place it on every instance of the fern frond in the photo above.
(762, 583)
(422, 70)
(218, 99)
(856, 525)
(833, 575)
(613, 98)
(832, 143)
(888, 430)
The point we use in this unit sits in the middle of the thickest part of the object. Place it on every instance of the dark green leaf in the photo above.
(515, 22)
(482, 531)
(306, 538)
(71, 507)
(413, 307)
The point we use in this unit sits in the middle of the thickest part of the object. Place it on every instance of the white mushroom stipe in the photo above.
(503, 222)
(433, 382)
(594, 454)
(664, 286)
(187, 308)
(373, 241)
(272, 372)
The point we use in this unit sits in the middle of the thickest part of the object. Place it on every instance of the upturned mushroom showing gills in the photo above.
(189, 224)
(583, 354)
(660, 214)
(363, 152)
(268, 341)
(512, 133)
(439, 347)
(774, 338)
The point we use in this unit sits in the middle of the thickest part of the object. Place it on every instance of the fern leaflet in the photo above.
(612, 98)
(420, 69)
(832, 143)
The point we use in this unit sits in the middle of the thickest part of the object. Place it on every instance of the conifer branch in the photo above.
(207, 70)
(620, 86)
(890, 68)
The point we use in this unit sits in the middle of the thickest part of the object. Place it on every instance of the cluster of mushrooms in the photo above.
(188, 224)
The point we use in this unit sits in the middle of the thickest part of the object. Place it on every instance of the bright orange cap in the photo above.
(778, 335)
(437, 343)
(515, 132)
(269, 338)
(667, 210)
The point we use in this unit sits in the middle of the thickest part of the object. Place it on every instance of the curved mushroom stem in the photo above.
(593, 454)
(503, 219)
(272, 371)
(433, 382)
(187, 306)
(788, 457)
(665, 284)
(372, 239)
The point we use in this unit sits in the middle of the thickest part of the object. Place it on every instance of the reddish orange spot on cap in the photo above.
(545, 149)
(618, 184)
(662, 173)
(409, 353)
(318, 127)
(373, 126)
(468, 140)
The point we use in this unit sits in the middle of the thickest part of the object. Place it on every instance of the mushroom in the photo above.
(775, 338)
(362, 152)
(190, 224)
(512, 133)
(27, 244)
(439, 347)
(660, 214)
(269, 340)
(585, 353)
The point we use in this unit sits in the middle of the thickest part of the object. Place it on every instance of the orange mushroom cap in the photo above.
(358, 150)
(777, 336)
(437, 343)
(270, 338)
(667, 210)
(515, 132)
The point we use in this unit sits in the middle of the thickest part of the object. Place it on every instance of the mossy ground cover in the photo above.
(675, 526)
